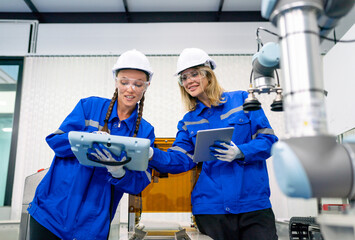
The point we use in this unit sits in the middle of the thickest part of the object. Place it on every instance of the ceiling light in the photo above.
(7, 129)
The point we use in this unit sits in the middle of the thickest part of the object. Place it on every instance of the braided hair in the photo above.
(140, 114)
(109, 111)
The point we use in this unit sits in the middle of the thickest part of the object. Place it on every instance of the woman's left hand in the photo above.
(102, 153)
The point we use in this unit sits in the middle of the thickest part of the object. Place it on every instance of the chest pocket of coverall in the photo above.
(242, 128)
(193, 128)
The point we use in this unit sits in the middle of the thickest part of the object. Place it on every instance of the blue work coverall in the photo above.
(224, 187)
(75, 201)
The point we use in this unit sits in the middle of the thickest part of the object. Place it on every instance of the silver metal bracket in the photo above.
(182, 235)
(138, 234)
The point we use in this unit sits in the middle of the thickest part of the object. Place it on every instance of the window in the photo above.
(10, 93)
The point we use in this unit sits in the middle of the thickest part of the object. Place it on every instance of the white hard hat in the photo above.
(191, 57)
(133, 59)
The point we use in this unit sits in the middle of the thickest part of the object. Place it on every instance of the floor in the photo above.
(10, 231)
(191, 232)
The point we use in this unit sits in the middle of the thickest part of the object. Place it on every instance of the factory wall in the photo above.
(339, 80)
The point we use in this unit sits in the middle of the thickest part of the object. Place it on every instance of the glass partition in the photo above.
(10, 86)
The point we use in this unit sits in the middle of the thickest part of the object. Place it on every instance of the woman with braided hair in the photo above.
(74, 201)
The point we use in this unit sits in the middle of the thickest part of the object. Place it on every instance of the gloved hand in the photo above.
(151, 153)
(102, 153)
(225, 152)
(101, 132)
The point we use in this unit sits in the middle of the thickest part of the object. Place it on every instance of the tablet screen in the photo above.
(206, 138)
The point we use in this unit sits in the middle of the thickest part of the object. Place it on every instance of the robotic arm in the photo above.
(262, 80)
(331, 11)
(309, 163)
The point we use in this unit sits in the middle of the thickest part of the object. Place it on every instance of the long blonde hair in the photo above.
(213, 90)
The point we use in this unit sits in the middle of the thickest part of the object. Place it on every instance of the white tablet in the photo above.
(137, 148)
(206, 138)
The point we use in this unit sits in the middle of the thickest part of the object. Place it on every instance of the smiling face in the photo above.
(131, 85)
(194, 83)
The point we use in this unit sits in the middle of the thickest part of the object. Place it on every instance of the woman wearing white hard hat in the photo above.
(231, 197)
(74, 201)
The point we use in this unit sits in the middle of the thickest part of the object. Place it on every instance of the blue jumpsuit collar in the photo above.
(200, 106)
(130, 122)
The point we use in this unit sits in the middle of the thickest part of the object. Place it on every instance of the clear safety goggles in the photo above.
(194, 75)
(136, 84)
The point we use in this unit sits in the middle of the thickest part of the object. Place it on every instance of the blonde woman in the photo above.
(74, 201)
(231, 197)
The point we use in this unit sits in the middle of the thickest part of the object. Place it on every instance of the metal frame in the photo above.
(12, 158)
(134, 17)
(31, 183)
(137, 17)
(32, 41)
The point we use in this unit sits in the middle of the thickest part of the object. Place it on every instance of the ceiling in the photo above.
(132, 11)
(146, 11)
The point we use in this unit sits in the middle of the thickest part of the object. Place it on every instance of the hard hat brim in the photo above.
(210, 63)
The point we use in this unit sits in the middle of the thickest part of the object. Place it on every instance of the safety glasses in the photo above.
(194, 75)
(137, 85)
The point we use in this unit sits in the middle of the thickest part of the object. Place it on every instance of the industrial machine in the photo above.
(308, 145)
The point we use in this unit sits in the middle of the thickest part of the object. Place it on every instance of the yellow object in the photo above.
(171, 192)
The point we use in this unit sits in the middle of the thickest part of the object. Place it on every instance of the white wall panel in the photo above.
(150, 38)
(339, 81)
(79, 6)
(52, 85)
(14, 38)
(172, 6)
